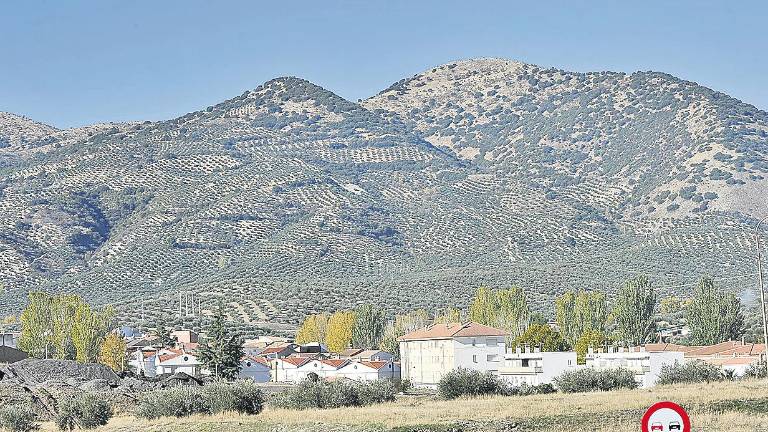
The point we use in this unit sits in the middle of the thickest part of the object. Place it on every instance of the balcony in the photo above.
(521, 370)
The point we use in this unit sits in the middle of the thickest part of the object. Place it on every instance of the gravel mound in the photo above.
(36, 372)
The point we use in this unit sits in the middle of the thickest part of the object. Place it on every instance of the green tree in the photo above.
(313, 329)
(165, 338)
(63, 313)
(400, 326)
(448, 315)
(339, 334)
(542, 336)
(505, 309)
(37, 325)
(370, 322)
(577, 312)
(590, 338)
(714, 315)
(88, 331)
(221, 351)
(633, 311)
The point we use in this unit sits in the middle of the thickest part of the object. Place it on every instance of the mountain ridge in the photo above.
(290, 199)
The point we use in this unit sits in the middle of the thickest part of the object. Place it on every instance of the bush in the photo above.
(174, 402)
(86, 411)
(690, 372)
(243, 397)
(17, 418)
(755, 370)
(336, 394)
(465, 382)
(590, 379)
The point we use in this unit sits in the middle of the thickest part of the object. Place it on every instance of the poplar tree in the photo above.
(633, 311)
(339, 334)
(112, 352)
(505, 309)
(369, 327)
(579, 312)
(402, 325)
(714, 316)
(313, 329)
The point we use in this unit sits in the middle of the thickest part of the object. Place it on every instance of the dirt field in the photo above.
(739, 406)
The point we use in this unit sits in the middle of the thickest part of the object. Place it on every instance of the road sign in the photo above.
(666, 417)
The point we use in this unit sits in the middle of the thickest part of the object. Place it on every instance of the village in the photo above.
(426, 355)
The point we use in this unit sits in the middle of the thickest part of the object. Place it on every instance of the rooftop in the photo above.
(452, 330)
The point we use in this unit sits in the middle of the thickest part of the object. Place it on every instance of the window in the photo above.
(526, 362)
(474, 358)
(474, 342)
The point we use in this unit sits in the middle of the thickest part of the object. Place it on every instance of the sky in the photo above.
(72, 63)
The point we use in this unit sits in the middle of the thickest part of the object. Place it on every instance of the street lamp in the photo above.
(762, 289)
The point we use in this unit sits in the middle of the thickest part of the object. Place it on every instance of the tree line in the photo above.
(583, 319)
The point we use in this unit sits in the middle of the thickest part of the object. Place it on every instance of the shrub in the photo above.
(86, 411)
(243, 397)
(17, 418)
(527, 390)
(590, 379)
(322, 394)
(755, 370)
(174, 402)
(465, 382)
(690, 372)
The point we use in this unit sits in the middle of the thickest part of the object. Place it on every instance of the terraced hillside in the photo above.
(288, 199)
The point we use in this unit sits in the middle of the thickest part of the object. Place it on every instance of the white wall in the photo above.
(424, 363)
(254, 371)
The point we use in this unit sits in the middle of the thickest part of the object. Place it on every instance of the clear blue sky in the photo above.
(70, 63)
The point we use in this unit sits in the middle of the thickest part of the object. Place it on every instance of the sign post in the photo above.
(666, 417)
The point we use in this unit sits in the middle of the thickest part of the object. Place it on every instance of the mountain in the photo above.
(289, 199)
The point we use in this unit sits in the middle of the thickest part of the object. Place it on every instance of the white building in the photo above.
(535, 368)
(10, 339)
(370, 370)
(178, 362)
(428, 354)
(645, 365)
(323, 368)
(372, 355)
(142, 362)
(255, 368)
(286, 369)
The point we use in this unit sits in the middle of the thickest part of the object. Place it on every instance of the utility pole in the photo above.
(762, 289)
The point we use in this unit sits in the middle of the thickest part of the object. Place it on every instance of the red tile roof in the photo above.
(374, 364)
(335, 363)
(296, 361)
(452, 330)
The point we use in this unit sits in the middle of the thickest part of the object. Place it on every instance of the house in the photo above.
(350, 352)
(257, 369)
(645, 365)
(534, 367)
(734, 356)
(430, 353)
(178, 361)
(10, 354)
(286, 369)
(10, 339)
(313, 348)
(129, 333)
(279, 350)
(372, 355)
(322, 368)
(369, 370)
(142, 362)
(186, 336)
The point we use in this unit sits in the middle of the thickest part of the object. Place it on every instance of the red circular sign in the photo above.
(666, 417)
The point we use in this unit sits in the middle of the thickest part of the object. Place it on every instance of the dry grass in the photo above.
(571, 412)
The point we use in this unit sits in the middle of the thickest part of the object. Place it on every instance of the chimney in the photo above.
(527, 349)
(610, 349)
(537, 349)
(518, 349)
(590, 350)
(621, 349)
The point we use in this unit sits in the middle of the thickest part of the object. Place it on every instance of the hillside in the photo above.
(288, 199)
